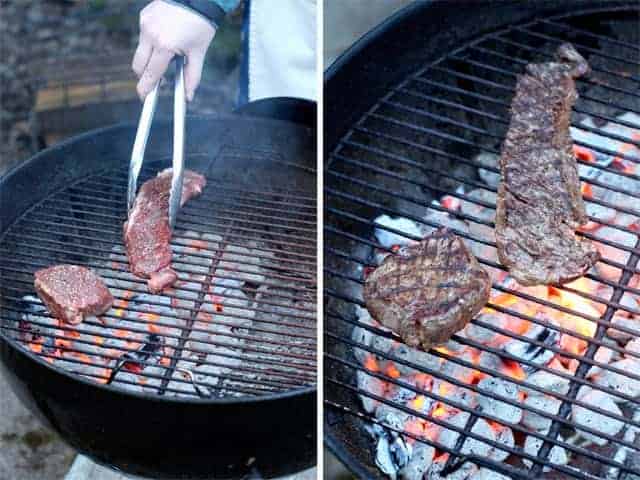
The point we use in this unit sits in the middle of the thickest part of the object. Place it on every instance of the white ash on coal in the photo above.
(505, 412)
(594, 420)
(557, 456)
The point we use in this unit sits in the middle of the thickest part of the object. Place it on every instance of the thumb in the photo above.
(193, 73)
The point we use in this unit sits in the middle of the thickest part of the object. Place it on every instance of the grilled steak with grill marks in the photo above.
(147, 233)
(71, 292)
(539, 200)
(429, 290)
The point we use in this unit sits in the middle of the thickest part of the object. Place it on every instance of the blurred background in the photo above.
(345, 21)
(66, 69)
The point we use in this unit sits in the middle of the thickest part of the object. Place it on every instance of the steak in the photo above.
(71, 292)
(147, 233)
(539, 202)
(428, 290)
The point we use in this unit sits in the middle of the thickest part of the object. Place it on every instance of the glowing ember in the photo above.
(584, 154)
(391, 370)
(418, 402)
(450, 203)
(513, 369)
(371, 364)
(439, 411)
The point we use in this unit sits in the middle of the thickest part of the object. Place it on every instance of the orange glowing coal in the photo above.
(513, 369)
(121, 304)
(391, 370)
(418, 402)
(445, 389)
(587, 190)
(439, 411)
(450, 203)
(198, 244)
(371, 364)
(584, 154)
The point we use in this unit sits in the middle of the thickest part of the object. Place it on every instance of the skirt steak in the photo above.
(539, 200)
(71, 292)
(429, 290)
(147, 233)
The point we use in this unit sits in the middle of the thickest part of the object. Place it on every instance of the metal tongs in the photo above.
(142, 135)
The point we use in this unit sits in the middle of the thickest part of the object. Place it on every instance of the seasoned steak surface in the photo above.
(147, 234)
(71, 292)
(539, 202)
(429, 290)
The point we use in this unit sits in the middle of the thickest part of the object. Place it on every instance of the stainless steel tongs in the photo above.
(142, 135)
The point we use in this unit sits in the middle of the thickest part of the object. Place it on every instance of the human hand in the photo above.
(167, 30)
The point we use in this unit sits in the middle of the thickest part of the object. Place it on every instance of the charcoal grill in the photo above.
(414, 144)
(195, 382)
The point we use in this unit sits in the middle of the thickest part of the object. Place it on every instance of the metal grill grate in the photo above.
(240, 321)
(416, 155)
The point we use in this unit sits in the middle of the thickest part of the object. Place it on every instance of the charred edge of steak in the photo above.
(429, 290)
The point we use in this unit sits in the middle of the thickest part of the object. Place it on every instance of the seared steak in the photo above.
(539, 201)
(429, 290)
(71, 292)
(147, 234)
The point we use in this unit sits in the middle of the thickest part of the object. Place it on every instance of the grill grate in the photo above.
(240, 321)
(419, 145)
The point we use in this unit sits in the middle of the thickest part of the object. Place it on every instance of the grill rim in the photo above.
(359, 54)
(31, 166)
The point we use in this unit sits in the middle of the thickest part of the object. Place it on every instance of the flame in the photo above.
(571, 322)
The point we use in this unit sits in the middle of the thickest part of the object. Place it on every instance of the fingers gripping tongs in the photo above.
(142, 135)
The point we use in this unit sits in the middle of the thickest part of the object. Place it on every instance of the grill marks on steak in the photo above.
(147, 233)
(539, 202)
(429, 290)
(71, 292)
